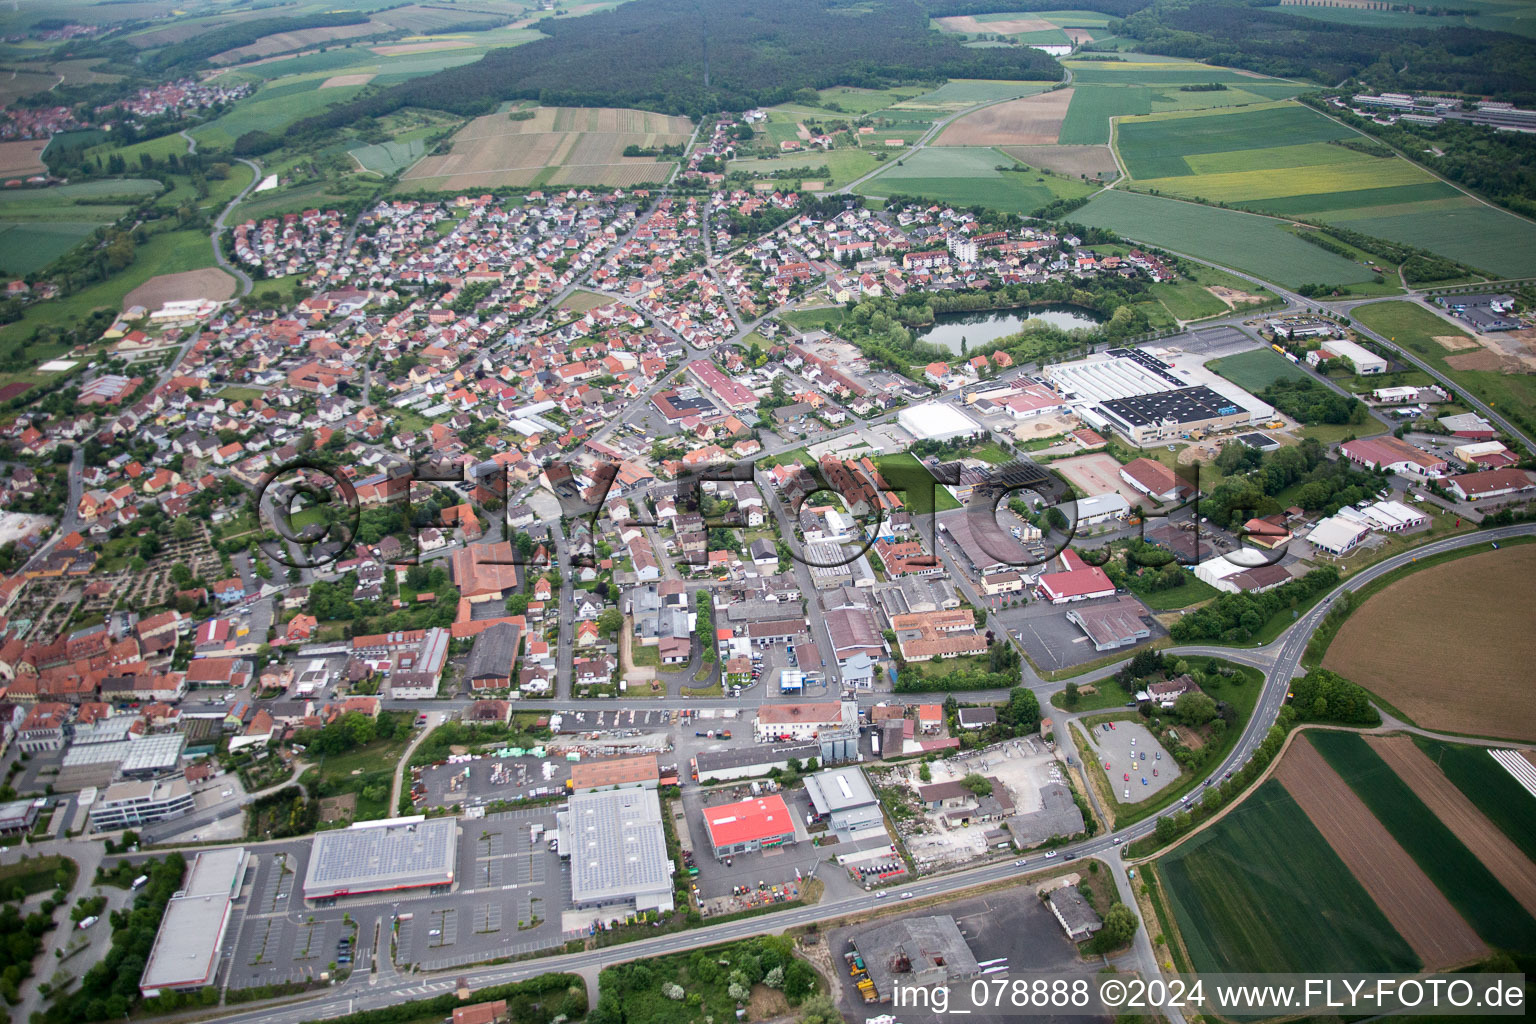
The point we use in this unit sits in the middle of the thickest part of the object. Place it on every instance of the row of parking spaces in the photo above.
(274, 886)
(275, 950)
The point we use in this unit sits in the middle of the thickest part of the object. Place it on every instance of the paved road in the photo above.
(1282, 657)
(1348, 307)
(218, 225)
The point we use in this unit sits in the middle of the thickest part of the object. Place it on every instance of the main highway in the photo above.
(365, 991)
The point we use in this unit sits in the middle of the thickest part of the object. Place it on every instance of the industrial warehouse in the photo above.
(617, 851)
(186, 951)
(1144, 396)
(380, 856)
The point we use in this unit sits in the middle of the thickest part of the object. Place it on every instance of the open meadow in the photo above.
(1234, 893)
(966, 176)
(1486, 647)
(557, 146)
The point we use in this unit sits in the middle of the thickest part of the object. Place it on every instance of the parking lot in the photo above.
(511, 894)
(275, 938)
(493, 778)
(718, 883)
(1052, 641)
(1130, 750)
(1012, 928)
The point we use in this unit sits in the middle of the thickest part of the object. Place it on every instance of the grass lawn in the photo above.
(1330, 433)
(1512, 395)
(580, 301)
(1107, 695)
(1236, 894)
(1193, 591)
(1472, 889)
(1188, 300)
(905, 465)
(649, 657)
(1256, 370)
(1487, 784)
(823, 319)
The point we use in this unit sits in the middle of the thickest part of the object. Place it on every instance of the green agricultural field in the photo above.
(166, 253)
(1516, 17)
(1488, 785)
(1234, 892)
(1415, 328)
(1257, 245)
(1171, 98)
(31, 246)
(389, 157)
(845, 164)
(1463, 228)
(1087, 120)
(39, 225)
(1472, 889)
(1257, 370)
(1136, 73)
(959, 93)
(967, 176)
(272, 108)
(1158, 147)
(849, 100)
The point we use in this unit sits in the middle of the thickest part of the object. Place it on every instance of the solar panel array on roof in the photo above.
(1185, 405)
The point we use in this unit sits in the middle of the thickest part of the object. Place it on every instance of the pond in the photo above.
(982, 326)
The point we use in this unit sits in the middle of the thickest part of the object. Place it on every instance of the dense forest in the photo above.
(948, 8)
(679, 57)
(1406, 60)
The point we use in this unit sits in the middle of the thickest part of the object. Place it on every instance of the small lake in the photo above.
(983, 326)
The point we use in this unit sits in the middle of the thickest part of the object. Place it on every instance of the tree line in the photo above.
(1265, 39)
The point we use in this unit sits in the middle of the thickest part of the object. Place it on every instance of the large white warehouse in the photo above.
(936, 421)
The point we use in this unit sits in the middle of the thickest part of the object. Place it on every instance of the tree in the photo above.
(1119, 925)
(819, 1009)
(1070, 696)
(1194, 708)
(924, 773)
(978, 784)
(610, 621)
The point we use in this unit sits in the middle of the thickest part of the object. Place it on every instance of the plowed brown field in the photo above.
(1031, 121)
(1451, 645)
(1486, 840)
(1420, 913)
